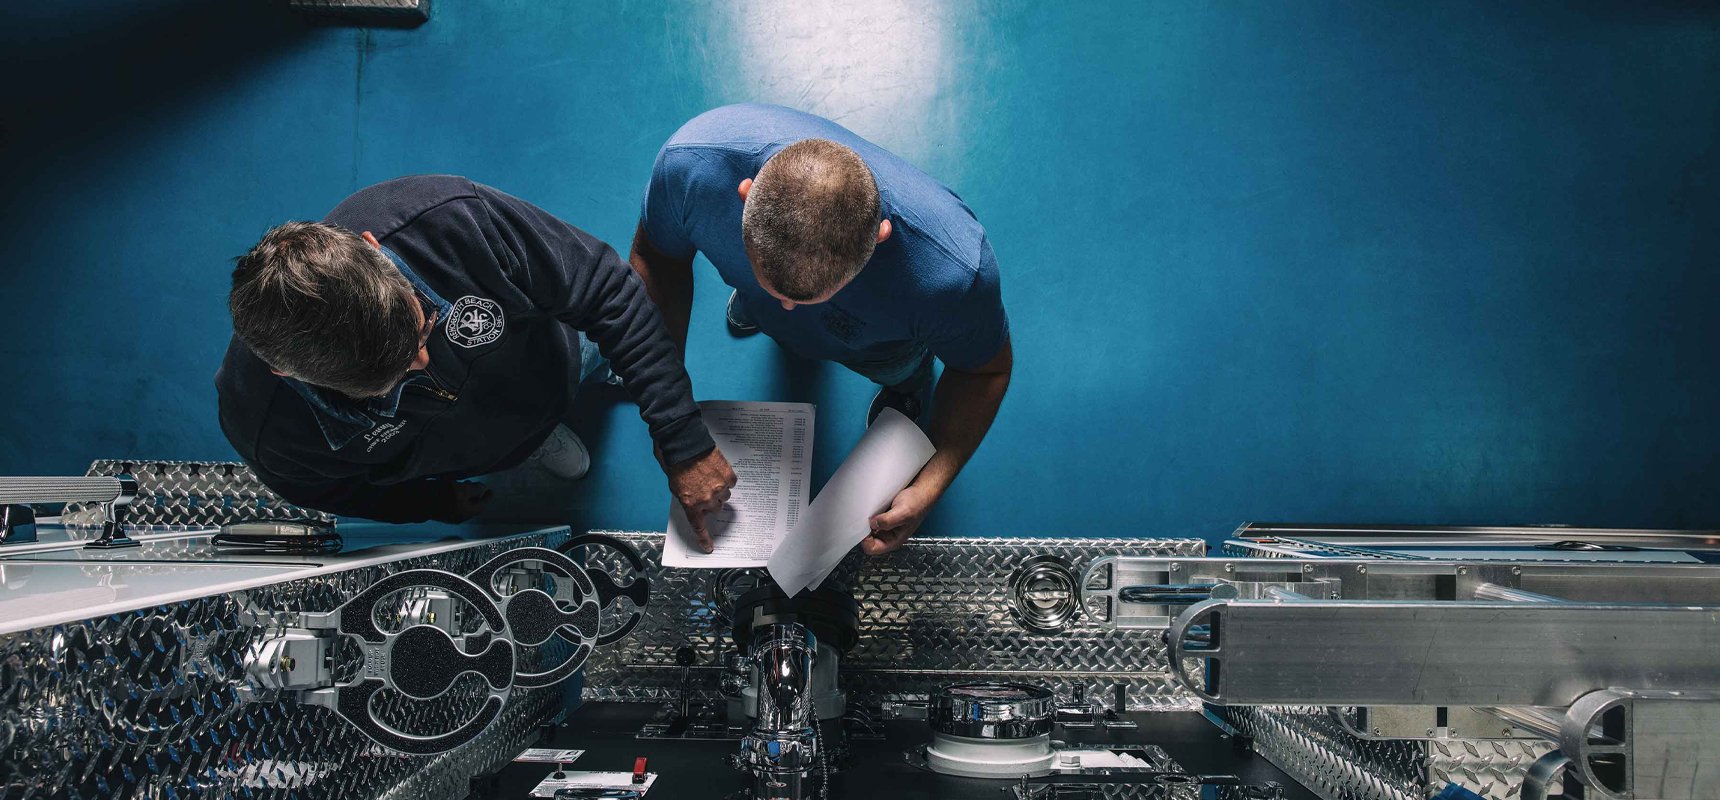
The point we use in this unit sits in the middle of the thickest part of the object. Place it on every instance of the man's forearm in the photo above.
(963, 411)
(668, 282)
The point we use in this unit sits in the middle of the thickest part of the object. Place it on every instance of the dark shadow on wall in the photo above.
(85, 73)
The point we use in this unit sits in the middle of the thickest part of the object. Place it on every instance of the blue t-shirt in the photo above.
(933, 282)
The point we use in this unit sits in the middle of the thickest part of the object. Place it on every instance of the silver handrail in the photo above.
(114, 493)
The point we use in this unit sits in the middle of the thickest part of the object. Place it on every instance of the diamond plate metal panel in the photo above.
(1492, 769)
(1310, 746)
(191, 493)
(147, 703)
(933, 613)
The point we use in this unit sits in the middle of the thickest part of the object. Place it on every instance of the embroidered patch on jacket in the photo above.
(474, 321)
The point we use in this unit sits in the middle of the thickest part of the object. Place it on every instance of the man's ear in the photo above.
(370, 239)
(746, 186)
(884, 230)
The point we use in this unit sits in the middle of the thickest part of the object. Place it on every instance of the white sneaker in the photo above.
(563, 454)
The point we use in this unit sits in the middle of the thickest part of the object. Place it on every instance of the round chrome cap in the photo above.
(993, 710)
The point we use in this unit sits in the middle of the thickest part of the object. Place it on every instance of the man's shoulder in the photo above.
(941, 238)
(745, 127)
(391, 205)
(248, 399)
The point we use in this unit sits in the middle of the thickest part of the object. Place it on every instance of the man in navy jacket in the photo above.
(432, 329)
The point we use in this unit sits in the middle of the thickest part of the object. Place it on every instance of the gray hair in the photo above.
(811, 218)
(318, 303)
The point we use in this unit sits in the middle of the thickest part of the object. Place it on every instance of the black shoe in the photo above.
(910, 404)
(739, 323)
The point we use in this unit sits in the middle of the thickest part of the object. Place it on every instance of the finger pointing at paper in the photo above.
(701, 485)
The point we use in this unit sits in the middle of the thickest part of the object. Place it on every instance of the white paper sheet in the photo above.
(594, 780)
(884, 462)
(543, 755)
(770, 447)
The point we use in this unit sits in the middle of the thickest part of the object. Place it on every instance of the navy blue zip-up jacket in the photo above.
(503, 364)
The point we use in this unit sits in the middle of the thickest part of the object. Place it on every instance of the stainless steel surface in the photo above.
(993, 711)
(1344, 653)
(782, 750)
(934, 613)
(1044, 595)
(152, 701)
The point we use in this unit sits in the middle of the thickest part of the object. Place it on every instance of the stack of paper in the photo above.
(767, 521)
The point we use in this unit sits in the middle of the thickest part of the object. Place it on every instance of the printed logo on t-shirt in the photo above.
(474, 321)
(841, 324)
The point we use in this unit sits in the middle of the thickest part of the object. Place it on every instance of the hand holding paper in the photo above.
(882, 464)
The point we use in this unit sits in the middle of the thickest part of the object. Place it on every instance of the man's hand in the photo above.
(962, 411)
(469, 499)
(898, 522)
(701, 485)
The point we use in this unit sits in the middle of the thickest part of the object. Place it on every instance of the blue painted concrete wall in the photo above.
(1298, 261)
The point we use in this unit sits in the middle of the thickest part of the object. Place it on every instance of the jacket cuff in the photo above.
(684, 439)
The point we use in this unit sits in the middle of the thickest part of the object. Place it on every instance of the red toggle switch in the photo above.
(639, 770)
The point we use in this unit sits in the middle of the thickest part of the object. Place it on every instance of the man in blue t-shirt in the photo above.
(840, 251)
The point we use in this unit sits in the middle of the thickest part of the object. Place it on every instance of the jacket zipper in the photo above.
(435, 387)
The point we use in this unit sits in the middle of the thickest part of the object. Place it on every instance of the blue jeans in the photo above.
(593, 367)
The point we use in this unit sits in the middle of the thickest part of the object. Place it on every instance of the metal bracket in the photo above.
(17, 524)
(533, 616)
(637, 589)
(1645, 745)
(421, 661)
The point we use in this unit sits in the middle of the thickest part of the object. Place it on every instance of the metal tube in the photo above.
(783, 655)
(1285, 595)
(1493, 591)
(1544, 724)
(62, 490)
(782, 750)
(1176, 594)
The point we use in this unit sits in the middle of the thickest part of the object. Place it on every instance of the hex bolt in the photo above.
(1362, 568)
(1463, 570)
(1516, 570)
